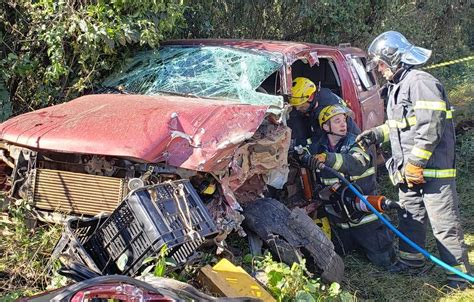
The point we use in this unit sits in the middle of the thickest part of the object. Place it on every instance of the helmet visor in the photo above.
(416, 56)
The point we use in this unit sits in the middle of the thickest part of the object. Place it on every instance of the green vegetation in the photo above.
(25, 254)
(54, 50)
(292, 283)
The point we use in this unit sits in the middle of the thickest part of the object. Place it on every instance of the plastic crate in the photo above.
(145, 221)
(70, 247)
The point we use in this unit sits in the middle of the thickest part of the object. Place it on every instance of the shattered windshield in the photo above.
(219, 72)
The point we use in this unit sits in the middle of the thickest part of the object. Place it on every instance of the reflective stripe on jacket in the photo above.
(350, 160)
(419, 126)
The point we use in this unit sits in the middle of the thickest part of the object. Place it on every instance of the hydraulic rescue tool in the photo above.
(394, 229)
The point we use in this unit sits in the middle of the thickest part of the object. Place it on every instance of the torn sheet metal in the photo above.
(190, 133)
(264, 156)
(227, 219)
(207, 71)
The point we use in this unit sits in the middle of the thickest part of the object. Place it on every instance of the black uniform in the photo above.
(305, 126)
(369, 235)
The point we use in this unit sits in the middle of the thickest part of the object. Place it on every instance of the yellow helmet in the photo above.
(301, 91)
(329, 111)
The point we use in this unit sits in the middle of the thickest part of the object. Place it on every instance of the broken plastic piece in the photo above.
(232, 281)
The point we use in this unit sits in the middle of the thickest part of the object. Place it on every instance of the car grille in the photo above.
(75, 193)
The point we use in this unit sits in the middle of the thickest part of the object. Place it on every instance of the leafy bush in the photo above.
(444, 26)
(51, 50)
(292, 283)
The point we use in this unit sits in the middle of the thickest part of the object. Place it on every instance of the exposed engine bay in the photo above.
(86, 184)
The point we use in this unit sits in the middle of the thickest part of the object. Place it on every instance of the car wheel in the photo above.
(291, 235)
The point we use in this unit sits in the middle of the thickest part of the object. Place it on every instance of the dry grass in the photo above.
(24, 255)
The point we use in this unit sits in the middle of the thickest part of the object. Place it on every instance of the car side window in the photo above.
(365, 78)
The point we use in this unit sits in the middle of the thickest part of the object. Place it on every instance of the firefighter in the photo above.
(336, 148)
(307, 101)
(421, 133)
(302, 100)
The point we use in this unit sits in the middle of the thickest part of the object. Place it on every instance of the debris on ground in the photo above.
(227, 280)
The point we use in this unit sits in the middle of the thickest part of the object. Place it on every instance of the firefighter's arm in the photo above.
(354, 163)
(373, 136)
(428, 98)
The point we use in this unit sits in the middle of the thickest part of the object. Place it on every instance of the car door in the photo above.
(372, 107)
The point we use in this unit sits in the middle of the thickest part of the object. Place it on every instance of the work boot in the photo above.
(411, 267)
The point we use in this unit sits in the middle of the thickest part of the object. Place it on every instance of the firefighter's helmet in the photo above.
(329, 111)
(301, 91)
(393, 48)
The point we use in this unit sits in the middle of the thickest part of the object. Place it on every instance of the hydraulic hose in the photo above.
(394, 229)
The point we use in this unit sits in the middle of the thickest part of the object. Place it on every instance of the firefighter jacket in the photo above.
(419, 126)
(349, 159)
(354, 164)
(305, 126)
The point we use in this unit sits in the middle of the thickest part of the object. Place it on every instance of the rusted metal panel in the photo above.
(192, 133)
(70, 192)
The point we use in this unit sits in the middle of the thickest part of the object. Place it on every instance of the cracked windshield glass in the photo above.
(215, 72)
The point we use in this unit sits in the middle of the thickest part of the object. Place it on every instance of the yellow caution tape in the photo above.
(449, 63)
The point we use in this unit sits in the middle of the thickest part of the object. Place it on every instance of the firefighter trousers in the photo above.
(436, 200)
(373, 239)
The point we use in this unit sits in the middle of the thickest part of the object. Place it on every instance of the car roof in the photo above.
(289, 49)
(284, 47)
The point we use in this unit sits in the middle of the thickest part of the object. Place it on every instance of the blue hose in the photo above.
(397, 232)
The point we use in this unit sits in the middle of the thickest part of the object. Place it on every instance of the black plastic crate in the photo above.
(70, 247)
(145, 221)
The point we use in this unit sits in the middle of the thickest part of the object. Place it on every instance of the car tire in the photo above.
(291, 235)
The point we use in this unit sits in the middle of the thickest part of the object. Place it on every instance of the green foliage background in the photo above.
(53, 50)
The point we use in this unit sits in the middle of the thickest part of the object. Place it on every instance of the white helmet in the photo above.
(393, 48)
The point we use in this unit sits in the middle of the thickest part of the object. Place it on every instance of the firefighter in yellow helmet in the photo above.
(303, 103)
(308, 101)
(302, 93)
(336, 148)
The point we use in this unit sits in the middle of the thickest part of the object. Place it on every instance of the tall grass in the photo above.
(24, 254)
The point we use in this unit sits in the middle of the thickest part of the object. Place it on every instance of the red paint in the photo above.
(292, 51)
(139, 127)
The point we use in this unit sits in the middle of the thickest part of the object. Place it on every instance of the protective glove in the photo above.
(414, 175)
(314, 161)
(321, 157)
(366, 139)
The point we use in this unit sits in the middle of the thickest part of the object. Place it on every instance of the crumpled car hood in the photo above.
(192, 133)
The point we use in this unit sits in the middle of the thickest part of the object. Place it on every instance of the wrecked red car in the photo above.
(211, 111)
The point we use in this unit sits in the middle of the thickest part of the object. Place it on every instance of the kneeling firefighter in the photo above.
(354, 227)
